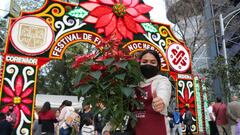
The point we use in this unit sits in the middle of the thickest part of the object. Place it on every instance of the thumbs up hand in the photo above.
(157, 103)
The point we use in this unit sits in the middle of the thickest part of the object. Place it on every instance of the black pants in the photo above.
(213, 128)
(188, 130)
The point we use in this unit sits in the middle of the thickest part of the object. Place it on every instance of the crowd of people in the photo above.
(152, 119)
(224, 118)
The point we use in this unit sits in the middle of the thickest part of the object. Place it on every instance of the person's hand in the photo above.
(157, 103)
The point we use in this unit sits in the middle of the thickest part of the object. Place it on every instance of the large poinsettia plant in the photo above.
(120, 17)
(109, 76)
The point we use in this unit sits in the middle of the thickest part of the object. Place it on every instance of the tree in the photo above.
(57, 77)
(219, 69)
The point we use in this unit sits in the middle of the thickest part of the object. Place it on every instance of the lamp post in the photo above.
(222, 27)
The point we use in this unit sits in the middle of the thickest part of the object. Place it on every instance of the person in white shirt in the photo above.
(211, 120)
(64, 128)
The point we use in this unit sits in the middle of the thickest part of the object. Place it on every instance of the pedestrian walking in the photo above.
(220, 111)
(233, 113)
(188, 121)
(177, 119)
(212, 120)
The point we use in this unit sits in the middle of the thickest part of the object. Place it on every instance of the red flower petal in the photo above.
(186, 94)
(134, 3)
(25, 109)
(193, 112)
(127, 2)
(182, 111)
(104, 20)
(8, 91)
(132, 11)
(93, 0)
(97, 67)
(117, 35)
(142, 8)
(102, 58)
(130, 23)
(5, 109)
(100, 30)
(129, 34)
(7, 100)
(100, 11)
(27, 101)
(141, 18)
(181, 105)
(18, 85)
(140, 29)
(27, 92)
(181, 99)
(17, 111)
(191, 100)
(121, 27)
(90, 19)
(89, 5)
(108, 2)
(111, 26)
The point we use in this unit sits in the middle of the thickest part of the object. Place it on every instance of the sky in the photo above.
(4, 7)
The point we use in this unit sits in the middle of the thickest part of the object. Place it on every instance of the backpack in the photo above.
(171, 123)
(72, 119)
(188, 118)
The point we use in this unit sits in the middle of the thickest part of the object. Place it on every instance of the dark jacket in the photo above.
(47, 120)
(6, 128)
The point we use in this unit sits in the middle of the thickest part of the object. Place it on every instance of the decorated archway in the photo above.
(40, 36)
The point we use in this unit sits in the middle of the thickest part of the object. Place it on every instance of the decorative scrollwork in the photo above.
(53, 11)
(27, 71)
(189, 86)
(155, 39)
(67, 24)
(20, 130)
(181, 84)
(11, 69)
(164, 32)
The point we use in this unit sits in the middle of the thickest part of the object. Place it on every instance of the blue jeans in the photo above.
(67, 131)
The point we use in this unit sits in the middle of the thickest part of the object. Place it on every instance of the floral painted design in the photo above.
(187, 100)
(120, 18)
(18, 98)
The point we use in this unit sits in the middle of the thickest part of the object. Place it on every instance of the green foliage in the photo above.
(219, 70)
(57, 77)
(109, 77)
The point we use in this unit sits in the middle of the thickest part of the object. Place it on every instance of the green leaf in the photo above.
(96, 74)
(84, 89)
(126, 91)
(78, 78)
(78, 13)
(108, 61)
(121, 76)
(123, 64)
(149, 27)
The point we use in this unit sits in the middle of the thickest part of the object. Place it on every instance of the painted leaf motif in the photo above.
(149, 27)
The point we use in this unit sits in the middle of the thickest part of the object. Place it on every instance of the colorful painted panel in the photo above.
(186, 97)
(36, 37)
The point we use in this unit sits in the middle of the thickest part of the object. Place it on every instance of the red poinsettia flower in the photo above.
(121, 18)
(97, 67)
(18, 98)
(187, 100)
(80, 59)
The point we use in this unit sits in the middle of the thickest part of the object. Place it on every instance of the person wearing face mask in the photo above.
(152, 117)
